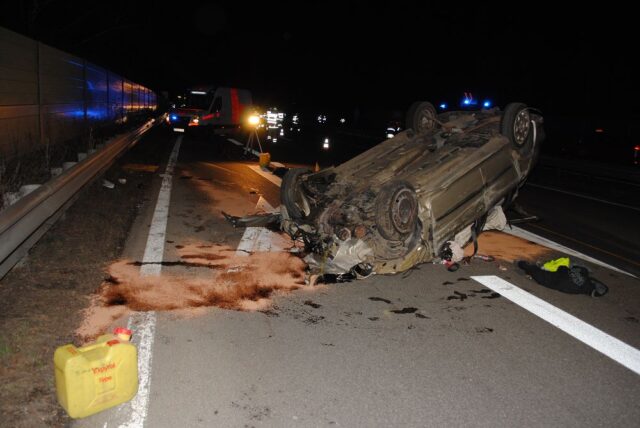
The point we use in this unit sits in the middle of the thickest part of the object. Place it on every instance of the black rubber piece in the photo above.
(290, 192)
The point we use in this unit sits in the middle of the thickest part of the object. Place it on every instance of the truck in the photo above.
(210, 110)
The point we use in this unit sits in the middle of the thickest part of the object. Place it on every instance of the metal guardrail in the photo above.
(23, 223)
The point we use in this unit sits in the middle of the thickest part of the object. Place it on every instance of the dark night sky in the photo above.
(353, 53)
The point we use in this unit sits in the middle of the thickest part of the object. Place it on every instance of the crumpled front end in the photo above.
(347, 228)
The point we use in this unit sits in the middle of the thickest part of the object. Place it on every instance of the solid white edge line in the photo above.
(144, 323)
(272, 178)
(608, 345)
(525, 234)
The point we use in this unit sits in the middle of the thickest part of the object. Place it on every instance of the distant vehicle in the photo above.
(214, 110)
(399, 203)
(274, 120)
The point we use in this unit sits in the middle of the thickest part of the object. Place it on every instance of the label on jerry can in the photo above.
(95, 377)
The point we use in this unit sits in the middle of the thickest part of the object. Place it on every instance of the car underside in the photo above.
(399, 203)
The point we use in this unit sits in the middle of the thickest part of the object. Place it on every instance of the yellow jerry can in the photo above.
(95, 377)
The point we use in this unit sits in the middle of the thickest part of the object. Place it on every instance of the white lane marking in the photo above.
(579, 195)
(154, 251)
(255, 239)
(272, 178)
(144, 323)
(263, 205)
(597, 339)
(261, 239)
(525, 234)
(613, 348)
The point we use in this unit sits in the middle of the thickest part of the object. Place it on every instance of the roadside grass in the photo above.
(5, 349)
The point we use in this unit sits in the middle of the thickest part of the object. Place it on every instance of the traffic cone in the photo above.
(316, 168)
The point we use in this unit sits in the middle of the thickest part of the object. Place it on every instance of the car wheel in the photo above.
(292, 194)
(421, 117)
(517, 126)
(396, 211)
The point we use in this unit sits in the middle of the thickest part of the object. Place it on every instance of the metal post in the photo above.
(122, 98)
(107, 104)
(253, 137)
(84, 90)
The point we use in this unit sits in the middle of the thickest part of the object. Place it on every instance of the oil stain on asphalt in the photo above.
(404, 311)
(380, 299)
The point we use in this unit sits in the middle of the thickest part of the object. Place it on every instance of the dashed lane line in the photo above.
(608, 345)
(260, 238)
(597, 339)
(602, 342)
(272, 178)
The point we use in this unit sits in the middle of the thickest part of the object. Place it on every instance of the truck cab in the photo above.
(215, 110)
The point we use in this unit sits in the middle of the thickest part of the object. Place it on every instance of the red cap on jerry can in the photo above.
(122, 333)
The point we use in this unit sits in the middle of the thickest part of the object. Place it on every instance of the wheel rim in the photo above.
(425, 120)
(521, 127)
(404, 210)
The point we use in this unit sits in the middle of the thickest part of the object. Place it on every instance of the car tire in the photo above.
(292, 194)
(396, 211)
(421, 117)
(517, 126)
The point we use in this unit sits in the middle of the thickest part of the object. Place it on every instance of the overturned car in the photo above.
(401, 202)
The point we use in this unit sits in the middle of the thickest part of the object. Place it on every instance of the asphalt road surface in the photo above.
(431, 348)
(603, 229)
